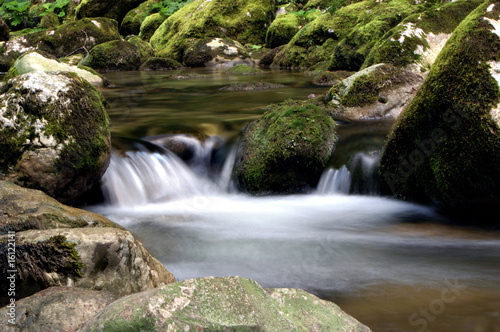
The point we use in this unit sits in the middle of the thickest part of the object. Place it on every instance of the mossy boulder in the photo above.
(418, 39)
(24, 209)
(91, 258)
(57, 309)
(38, 61)
(379, 91)
(215, 51)
(114, 55)
(154, 64)
(282, 30)
(222, 304)
(4, 31)
(113, 9)
(445, 146)
(131, 23)
(150, 25)
(54, 133)
(243, 20)
(143, 46)
(285, 151)
(49, 21)
(79, 36)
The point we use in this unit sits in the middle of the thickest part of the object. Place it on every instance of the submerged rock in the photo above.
(216, 51)
(38, 61)
(24, 209)
(285, 151)
(54, 133)
(57, 309)
(252, 86)
(223, 304)
(243, 70)
(445, 146)
(243, 20)
(380, 91)
(92, 258)
(156, 64)
(114, 55)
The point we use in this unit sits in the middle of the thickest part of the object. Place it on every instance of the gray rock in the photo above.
(216, 51)
(64, 309)
(54, 133)
(223, 304)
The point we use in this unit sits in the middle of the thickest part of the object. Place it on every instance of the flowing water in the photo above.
(393, 265)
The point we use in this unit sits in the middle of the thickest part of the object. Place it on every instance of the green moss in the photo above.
(449, 126)
(150, 25)
(244, 21)
(131, 24)
(282, 30)
(286, 150)
(114, 55)
(144, 48)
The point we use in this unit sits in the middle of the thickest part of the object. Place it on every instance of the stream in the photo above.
(393, 265)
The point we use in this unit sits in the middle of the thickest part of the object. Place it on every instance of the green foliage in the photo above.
(14, 12)
(336, 4)
(59, 7)
(303, 13)
(168, 7)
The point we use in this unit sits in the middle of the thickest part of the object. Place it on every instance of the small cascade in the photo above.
(226, 173)
(364, 168)
(141, 177)
(334, 181)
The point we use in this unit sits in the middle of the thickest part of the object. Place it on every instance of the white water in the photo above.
(323, 242)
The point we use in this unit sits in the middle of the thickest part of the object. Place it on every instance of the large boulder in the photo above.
(285, 151)
(23, 209)
(243, 20)
(418, 39)
(38, 61)
(91, 258)
(106, 8)
(282, 30)
(379, 91)
(78, 36)
(55, 309)
(445, 146)
(222, 304)
(150, 25)
(209, 52)
(131, 23)
(114, 55)
(54, 133)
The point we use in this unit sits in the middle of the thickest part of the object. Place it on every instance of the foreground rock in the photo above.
(286, 151)
(24, 209)
(445, 147)
(379, 91)
(54, 134)
(244, 21)
(223, 304)
(37, 61)
(56, 309)
(92, 258)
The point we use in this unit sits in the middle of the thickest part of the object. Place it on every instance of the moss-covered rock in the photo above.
(267, 58)
(419, 38)
(445, 146)
(243, 20)
(150, 25)
(379, 91)
(91, 258)
(57, 309)
(24, 209)
(4, 30)
(285, 151)
(54, 133)
(39, 61)
(143, 46)
(114, 55)
(69, 38)
(131, 23)
(222, 304)
(113, 9)
(49, 21)
(154, 64)
(282, 30)
(215, 51)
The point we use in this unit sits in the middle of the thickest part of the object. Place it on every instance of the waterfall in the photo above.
(334, 181)
(140, 177)
(226, 173)
(364, 169)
